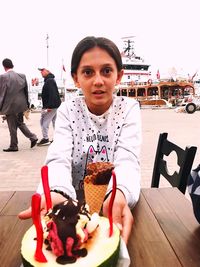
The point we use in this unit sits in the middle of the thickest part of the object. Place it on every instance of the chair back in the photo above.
(185, 158)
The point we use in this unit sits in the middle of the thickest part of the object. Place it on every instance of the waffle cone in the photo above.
(94, 196)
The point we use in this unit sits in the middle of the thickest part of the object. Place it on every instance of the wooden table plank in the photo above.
(20, 200)
(11, 231)
(4, 198)
(148, 245)
(180, 206)
(171, 213)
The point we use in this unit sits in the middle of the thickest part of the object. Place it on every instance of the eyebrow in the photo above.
(90, 66)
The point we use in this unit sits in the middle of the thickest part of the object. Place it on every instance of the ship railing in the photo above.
(136, 83)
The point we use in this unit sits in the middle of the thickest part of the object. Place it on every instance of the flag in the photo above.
(158, 75)
(64, 68)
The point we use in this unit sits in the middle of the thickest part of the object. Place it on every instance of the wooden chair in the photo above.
(185, 158)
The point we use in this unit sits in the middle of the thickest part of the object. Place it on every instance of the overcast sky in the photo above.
(166, 32)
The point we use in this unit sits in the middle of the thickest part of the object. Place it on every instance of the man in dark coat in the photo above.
(50, 102)
(13, 102)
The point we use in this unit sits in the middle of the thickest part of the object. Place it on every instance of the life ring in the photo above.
(149, 81)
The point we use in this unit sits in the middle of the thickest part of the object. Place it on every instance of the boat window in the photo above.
(176, 92)
(124, 92)
(131, 92)
(152, 91)
(165, 92)
(141, 92)
(119, 92)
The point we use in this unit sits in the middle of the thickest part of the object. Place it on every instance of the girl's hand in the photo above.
(121, 213)
(56, 199)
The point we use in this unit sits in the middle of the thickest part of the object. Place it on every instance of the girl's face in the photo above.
(97, 76)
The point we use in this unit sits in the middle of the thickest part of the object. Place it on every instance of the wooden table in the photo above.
(165, 232)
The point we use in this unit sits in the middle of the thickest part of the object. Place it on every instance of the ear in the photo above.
(75, 78)
(119, 76)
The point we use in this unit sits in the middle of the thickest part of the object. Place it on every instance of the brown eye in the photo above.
(87, 72)
(107, 71)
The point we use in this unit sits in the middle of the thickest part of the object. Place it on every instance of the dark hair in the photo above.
(91, 42)
(7, 63)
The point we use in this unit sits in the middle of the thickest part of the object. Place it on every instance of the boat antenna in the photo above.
(128, 37)
(47, 43)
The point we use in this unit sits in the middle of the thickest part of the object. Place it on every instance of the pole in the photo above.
(47, 42)
(62, 69)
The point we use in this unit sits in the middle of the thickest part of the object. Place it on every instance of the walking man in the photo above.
(50, 102)
(13, 102)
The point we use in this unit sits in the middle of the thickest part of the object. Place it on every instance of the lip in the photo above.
(98, 92)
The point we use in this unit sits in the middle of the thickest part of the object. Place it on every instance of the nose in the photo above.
(98, 81)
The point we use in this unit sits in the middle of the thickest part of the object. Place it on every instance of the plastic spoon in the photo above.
(36, 200)
(111, 203)
(45, 182)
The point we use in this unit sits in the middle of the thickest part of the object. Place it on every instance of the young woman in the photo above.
(99, 126)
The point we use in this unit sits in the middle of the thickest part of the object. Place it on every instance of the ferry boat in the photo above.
(166, 93)
(137, 81)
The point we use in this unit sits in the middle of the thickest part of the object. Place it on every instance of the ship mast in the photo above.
(129, 48)
(47, 45)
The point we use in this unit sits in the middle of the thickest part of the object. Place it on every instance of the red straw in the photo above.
(45, 182)
(36, 201)
(111, 203)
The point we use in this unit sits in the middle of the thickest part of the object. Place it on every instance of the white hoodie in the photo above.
(81, 137)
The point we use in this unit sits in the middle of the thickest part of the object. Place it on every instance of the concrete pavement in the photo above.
(21, 170)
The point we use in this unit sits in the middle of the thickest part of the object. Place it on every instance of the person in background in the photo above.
(50, 102)
(98, 126)
(194, 191)
(13, 103)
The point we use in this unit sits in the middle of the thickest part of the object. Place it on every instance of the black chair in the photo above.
(185, 158)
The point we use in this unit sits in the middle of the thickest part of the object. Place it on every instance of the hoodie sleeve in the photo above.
(59, 155)
(127, 156)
